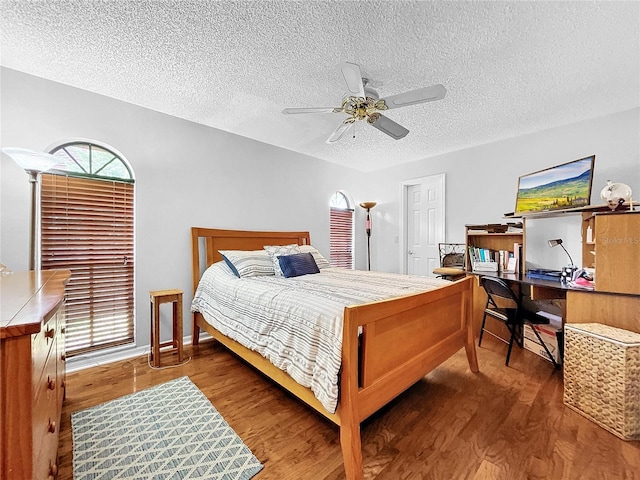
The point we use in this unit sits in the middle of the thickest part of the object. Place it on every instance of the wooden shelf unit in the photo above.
(492, 241)
(476, 237)
(588, 244)
(617, 251)
(625, 207)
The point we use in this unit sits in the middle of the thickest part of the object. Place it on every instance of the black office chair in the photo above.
(513, 314)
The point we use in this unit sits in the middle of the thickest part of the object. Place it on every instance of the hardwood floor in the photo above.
(502, 423)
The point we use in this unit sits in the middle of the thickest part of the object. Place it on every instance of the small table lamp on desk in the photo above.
(568, 271)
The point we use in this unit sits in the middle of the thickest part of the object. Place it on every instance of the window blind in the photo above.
(87, 227)
(341, 238)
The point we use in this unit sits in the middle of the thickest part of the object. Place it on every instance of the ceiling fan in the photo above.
(363, 103)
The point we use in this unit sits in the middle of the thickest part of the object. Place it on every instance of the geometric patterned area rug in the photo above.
(170, 431)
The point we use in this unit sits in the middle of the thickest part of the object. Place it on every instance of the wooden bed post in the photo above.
(469, 341)
(195, 272)
(195, 331)
(349, 412)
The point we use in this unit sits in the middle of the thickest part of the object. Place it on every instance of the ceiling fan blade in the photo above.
(291, 111)
(388, 126)
(339, 132)
(413, 97)
(353, 79)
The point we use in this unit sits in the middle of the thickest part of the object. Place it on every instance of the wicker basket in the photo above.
(602, 376)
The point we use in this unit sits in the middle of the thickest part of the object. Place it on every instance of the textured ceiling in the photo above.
(510, 68)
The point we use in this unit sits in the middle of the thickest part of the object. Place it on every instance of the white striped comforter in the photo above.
(296, 323)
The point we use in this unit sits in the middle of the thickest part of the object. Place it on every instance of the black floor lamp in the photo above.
(368, 206)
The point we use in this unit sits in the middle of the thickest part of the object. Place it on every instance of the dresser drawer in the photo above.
(41, 347)
(45, 405)
(45, 461)
(61, 363)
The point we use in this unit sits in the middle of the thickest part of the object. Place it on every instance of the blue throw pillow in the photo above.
(298, 264)
(231, 266)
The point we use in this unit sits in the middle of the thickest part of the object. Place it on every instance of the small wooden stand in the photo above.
(157, 298)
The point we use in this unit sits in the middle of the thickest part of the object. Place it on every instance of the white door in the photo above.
(424, 220)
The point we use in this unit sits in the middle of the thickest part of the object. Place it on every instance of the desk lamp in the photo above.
(567, 272)
(33, 163)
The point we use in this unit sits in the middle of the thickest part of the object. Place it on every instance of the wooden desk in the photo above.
(620, 310)
(614, 309)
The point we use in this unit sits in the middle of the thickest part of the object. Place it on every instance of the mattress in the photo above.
(296, 323)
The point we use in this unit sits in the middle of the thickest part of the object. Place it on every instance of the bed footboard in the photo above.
(402, 340)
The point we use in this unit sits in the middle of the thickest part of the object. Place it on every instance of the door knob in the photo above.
(410, 252)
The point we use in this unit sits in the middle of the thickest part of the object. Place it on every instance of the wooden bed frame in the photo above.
(430, 327)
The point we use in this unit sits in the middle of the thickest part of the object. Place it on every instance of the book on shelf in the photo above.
(512, 265)
(517, 255)
(485, 266)
(499, 259)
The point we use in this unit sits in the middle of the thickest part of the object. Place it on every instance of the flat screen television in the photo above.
(560, 187)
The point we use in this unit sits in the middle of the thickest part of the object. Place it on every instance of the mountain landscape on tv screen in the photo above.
(568, 193)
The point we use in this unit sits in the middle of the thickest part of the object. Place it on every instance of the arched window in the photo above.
(87, 218)
(341, 231)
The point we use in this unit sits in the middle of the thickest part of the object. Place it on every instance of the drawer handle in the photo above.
(51, 384)
(49, 333)
(52, 427)
(53, 469)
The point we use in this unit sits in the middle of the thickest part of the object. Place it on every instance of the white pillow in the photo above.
(317, 256)
(275, 251)
(248, 263)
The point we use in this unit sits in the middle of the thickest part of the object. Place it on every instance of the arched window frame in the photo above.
(341, 230)
(92, 169)
(87, 226)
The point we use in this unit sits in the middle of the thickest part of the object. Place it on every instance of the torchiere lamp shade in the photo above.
(33, 163)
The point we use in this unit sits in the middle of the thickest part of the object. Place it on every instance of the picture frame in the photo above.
(559, 187)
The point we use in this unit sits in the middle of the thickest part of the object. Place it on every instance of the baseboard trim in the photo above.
(90, 360)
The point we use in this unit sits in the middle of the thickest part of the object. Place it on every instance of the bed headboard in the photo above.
(217, 239)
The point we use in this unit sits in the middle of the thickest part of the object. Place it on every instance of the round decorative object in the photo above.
(615, 194)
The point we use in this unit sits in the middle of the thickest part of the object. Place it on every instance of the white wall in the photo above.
(481, 182)
(186, 175)
(191, 175)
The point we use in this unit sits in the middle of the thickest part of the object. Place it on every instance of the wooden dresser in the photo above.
(32, 372)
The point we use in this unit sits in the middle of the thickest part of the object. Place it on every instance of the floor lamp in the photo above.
(368, 206)
(33, 163)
